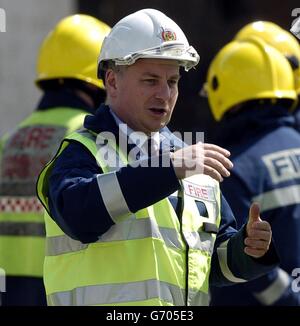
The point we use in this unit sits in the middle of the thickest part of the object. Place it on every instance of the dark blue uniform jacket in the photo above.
(265, 150)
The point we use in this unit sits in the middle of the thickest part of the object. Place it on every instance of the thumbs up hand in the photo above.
(259, 234)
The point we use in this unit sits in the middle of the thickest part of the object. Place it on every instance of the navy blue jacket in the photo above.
(297, 116)
(265, 150)
(77, 206)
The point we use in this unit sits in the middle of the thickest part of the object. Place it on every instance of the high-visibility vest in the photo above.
(23, 154)
(152, 257)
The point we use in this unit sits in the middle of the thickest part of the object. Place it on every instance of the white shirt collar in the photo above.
(135, 137)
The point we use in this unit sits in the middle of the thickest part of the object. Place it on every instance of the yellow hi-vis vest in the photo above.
(23, 154)
(152, 257)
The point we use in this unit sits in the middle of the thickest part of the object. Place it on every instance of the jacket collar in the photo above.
(103, 121)
(251, 123)
(63, 98)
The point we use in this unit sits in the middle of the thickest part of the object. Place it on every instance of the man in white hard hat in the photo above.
(133, 225)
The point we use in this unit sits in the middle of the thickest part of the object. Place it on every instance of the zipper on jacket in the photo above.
(180, 213)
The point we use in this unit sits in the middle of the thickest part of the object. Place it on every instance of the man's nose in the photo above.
(163, 92)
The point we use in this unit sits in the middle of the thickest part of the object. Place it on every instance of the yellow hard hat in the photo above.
(71, 50)
(247, 70)
(280, 39)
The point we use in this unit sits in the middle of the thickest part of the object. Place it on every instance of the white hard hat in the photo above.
(147, 33)
(295, 29)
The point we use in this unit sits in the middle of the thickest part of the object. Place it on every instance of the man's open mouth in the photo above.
(158, 111)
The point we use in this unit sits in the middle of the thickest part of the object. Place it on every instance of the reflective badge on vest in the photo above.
(198, 191)
(24, 155)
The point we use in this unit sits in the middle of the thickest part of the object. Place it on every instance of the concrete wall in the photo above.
(27, 23)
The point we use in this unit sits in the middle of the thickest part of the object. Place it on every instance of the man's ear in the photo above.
(111, 82)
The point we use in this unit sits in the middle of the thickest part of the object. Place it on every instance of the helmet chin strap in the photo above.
(93, 97)
(85, 97)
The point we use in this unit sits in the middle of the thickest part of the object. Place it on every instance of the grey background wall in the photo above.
(27, 23)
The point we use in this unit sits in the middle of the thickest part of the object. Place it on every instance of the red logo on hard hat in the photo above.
(168, 35)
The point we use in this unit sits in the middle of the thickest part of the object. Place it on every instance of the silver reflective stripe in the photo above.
(170, 237)
(32, 229)
(206, 242)
(62, 244)
(198, 298)
(222, 256)
(127, 230)
(119, 293)
(274, 291)
(201, 241)
(112, 196)
(139, 229)
(279, 198)
(2, 282)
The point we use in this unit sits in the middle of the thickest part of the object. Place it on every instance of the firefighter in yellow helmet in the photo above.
(284, 42)
(250, 87)
(67, 76)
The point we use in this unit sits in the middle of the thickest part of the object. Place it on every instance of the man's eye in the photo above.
(173, 82)
(150, 81)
